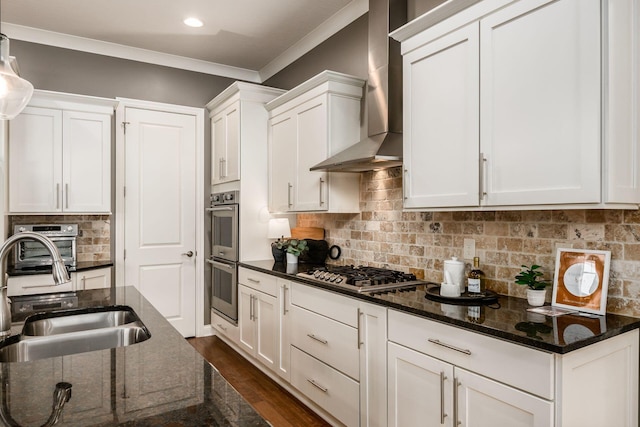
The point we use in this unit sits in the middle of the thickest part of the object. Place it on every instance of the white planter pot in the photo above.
(535, 297)
(291, 258)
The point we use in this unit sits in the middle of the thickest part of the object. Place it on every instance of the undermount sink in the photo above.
(74, 331)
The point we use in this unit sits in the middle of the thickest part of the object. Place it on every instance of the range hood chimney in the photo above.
(383, 147)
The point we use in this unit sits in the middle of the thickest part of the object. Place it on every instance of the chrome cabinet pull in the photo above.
(483, 167)
(253, 280)
(449, 346)
(222, 327)
(289, 194)
(251, 317)
(318, 386)
(320, 340)
(223, 169)
(456, 384)
(284, 300)
(405, 184)
(320, 188)
(220, 168)
(360, 313)
(66, 196)
(443, 377)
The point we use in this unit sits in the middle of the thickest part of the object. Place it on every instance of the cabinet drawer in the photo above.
(36, 284)
(224, 327)
(332, 342)
(334, 392)
(259, 281)
(326, 303)
(516, 365)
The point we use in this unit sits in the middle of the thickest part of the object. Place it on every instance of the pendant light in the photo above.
(15, 92)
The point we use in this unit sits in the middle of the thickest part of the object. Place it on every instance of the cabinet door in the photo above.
(540, 103)
(266, 317)
(35, 161)
(420, 389)
(86, 162)
(372, 341)
(441, 128)
(93, 279)
(282, 162)
(246, 323)
(284, 339)
(310, 192)
(486, 403)
(225, 153)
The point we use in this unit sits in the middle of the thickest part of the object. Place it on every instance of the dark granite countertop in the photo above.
(81, 266)
(159, 382)
(508, 320)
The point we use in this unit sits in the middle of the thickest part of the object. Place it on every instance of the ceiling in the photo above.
(244, 39)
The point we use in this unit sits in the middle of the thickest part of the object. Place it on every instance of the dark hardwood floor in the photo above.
(270, 400)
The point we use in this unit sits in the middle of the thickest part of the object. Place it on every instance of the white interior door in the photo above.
(160, 212)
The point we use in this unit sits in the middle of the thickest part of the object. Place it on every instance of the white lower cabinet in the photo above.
(43, 283)
(338, 355)
(224, 327)
(258, 325)
(93, 279)
(442, 375)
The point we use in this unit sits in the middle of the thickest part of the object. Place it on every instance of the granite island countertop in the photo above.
(508, 319)
(161, 381)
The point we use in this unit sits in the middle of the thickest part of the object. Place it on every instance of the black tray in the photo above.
(484, 297)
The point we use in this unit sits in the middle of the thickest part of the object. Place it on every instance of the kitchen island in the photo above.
(160, 381)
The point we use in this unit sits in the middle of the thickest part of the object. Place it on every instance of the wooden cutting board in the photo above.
(315, 233)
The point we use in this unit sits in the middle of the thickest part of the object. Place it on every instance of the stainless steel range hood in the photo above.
(383, 147)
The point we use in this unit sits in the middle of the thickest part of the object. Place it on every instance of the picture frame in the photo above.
(581, 280)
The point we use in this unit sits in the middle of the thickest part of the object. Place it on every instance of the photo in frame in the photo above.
(581, 280)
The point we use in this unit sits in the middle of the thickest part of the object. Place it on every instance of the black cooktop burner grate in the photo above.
(362, 278)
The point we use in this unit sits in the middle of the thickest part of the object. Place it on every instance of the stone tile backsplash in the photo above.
(94, 241)
(383, 235)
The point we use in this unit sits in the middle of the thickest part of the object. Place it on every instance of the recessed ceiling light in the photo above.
(193, 22)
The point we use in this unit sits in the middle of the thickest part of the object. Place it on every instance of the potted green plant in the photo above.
(532, 278)
(294, 247)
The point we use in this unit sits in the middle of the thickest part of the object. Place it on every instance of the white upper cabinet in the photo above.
(308, 124)
(501, 114)
(238, 118)
(60, 155)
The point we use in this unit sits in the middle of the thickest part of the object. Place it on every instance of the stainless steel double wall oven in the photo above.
(225, 217)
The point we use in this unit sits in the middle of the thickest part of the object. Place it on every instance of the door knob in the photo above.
(189, 254)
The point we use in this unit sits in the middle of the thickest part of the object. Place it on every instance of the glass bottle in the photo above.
(474, 280)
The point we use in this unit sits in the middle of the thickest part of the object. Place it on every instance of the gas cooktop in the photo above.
(362, 278)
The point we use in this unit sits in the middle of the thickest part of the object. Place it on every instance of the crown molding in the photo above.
(66, 41)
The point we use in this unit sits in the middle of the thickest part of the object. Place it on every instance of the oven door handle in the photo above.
(221, 208)
(220, 264)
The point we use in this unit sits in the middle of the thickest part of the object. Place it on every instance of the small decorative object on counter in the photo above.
(532, 277)
(294, 248)
(449, 288)
(474, 281)
(455, 268)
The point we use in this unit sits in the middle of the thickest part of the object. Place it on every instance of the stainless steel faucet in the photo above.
(60, 274)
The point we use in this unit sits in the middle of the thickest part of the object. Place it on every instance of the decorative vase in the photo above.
(535, 297)
(278, 254)
(291, 258)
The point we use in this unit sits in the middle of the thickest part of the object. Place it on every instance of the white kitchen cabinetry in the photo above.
(498, 114)
(43, 283)
(338, 355)
(60, 155)
(237, 117)
(308, 124)
(442, 375)
(224, 328)
(258, 312)
(99, 278)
